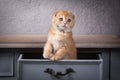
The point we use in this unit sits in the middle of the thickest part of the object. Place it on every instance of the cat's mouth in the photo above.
(63, 28)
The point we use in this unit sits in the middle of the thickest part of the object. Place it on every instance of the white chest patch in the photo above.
(57, 42)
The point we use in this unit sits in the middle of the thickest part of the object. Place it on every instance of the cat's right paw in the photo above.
(47, 55)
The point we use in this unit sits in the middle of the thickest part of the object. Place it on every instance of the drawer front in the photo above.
(48, 70)
(6, 64)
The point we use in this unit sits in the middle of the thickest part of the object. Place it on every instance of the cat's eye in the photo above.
(60, 19)
(69, 20)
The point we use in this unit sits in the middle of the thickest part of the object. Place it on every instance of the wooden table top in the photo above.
(38, 41)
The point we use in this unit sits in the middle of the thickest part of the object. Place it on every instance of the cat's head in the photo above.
(63, 20)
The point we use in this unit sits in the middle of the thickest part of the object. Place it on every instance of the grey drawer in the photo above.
(88, 67)
(6, 64)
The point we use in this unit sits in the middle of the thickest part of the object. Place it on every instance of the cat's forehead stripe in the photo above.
(64, 13)
(64, 17)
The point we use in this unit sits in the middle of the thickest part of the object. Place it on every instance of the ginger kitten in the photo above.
(60, 44)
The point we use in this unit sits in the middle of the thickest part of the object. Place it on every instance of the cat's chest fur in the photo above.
(58, 42)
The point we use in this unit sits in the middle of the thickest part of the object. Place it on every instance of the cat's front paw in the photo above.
(44, 55)
(55, 58)
(47, 55)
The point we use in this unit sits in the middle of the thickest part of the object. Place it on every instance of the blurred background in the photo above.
(34, 16)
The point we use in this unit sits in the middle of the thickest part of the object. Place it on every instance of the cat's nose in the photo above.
(65, 24)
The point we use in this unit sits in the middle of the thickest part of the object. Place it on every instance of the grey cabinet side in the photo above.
(6, 64)
(115, 64)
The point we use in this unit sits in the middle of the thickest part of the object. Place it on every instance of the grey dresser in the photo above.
(86, 67)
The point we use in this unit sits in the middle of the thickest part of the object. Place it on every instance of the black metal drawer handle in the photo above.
(59, 74)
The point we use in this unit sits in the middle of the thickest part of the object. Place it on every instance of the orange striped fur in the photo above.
(60, 44)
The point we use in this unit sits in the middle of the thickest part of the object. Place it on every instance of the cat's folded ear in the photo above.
(55, 13)
(71, 14)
